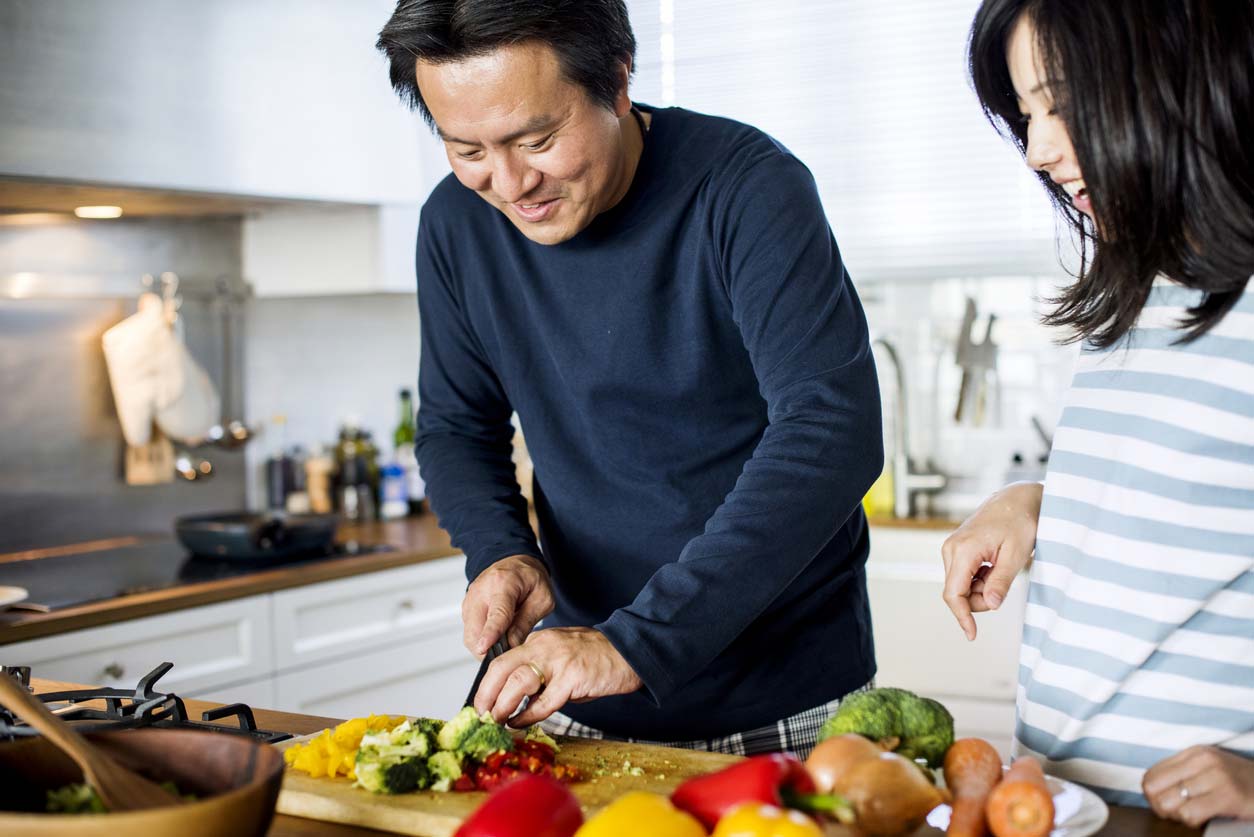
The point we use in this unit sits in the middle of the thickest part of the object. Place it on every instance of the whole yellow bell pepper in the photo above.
(637, 813)
(754, 819)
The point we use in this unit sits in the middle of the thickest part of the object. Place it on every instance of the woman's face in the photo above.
(1049, 145)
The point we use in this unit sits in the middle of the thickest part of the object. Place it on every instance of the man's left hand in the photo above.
(553, 667)
(1200, 783)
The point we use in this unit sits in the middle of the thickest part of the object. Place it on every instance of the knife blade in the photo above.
(498, 648)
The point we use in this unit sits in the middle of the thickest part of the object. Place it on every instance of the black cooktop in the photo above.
(67, 580)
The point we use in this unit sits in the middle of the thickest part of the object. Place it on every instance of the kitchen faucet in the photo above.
(907, 481)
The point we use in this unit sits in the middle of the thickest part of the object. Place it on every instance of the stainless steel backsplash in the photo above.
(61, 447)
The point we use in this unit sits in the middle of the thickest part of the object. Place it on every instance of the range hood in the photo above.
(35, 200)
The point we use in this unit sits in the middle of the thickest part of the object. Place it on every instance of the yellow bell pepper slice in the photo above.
(637, 813)
(753, 819)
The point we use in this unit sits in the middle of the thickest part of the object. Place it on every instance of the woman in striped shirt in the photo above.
(1137, 662)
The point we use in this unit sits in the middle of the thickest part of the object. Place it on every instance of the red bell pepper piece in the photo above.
(527, 806)
(777, 779)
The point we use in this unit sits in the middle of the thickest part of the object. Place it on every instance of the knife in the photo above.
(498, 648)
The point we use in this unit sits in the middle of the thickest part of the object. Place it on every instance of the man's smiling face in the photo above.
(527, 140)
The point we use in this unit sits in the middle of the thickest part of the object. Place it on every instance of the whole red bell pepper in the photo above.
(777, 779)
(527, 806)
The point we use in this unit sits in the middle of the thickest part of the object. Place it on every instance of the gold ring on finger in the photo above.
(539, 673)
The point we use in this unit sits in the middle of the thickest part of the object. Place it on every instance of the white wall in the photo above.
(317, 360)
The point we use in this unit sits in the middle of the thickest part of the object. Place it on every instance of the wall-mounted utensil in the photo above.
(979, 369)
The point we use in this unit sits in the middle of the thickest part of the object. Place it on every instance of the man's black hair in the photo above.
(592, 39)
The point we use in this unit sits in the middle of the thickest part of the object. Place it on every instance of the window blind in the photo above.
(872, 96)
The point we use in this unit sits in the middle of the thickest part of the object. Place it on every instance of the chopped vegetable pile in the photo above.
(81, 798)
(394, 755)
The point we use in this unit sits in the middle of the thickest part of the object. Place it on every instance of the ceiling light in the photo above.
(98, 211)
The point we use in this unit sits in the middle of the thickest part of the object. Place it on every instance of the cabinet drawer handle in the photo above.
(115, 671)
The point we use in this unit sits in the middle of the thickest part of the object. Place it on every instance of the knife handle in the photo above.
(498, 648)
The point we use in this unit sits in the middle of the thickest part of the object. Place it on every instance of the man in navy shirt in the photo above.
(658, 295)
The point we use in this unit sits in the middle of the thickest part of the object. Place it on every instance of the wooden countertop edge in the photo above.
(108, 611)
(941, 524)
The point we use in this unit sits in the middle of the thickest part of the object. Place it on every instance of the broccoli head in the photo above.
(915, 727)
(390, 773)
(875, 713)
(927, 730)
(488, 738)
(444, 768)
(460, 727)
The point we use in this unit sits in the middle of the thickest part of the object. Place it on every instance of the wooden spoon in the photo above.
(120, 788)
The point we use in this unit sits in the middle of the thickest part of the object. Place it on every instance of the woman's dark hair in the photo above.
(592, 38)
(1158, 97)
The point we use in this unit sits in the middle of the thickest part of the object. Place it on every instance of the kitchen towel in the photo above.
(154, 377)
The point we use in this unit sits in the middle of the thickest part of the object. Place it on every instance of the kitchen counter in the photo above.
(416, 539)
(941, 524)
(1123, 822)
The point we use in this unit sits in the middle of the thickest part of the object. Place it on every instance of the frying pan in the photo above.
(265, 536)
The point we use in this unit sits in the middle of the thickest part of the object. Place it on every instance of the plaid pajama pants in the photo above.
(795, 734)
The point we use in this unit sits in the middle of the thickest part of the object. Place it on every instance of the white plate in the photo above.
(1078, 812)
(11, 595)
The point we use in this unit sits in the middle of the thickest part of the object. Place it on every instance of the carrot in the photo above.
(972, 769)
(1021, 806)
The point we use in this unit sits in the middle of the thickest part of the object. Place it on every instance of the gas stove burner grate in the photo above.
(142, 706)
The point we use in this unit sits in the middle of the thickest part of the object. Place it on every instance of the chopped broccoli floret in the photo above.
(429, 725)
(403, 740)
(488, 738)
(535, 733)
(914, 726)
(413, 740)
(453, 734)
(444, 768)
(77, 798)
(381, 773)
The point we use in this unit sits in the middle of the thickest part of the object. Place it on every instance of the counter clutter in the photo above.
(1123, 822)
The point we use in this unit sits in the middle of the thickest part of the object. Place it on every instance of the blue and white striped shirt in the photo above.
(1138, 639)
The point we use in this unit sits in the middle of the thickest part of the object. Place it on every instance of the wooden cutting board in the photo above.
(430, 814)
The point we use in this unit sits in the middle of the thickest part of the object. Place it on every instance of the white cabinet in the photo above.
(428, 676)
(384, 642)
(389, 641)
(286, 98)
(919, 646)
(324, 250)
(258, 694)
(360, 614)
(210, 646)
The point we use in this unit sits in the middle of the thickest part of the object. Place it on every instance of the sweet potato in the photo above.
(1021, 805)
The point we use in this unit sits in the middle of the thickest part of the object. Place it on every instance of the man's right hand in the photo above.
(508, 598)
(1001, 532)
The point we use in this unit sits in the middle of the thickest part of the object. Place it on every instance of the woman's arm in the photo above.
(1002, 533)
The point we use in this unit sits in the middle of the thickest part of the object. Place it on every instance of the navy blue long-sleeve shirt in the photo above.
(694, 379)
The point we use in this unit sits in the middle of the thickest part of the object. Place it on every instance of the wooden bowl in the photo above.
(236, 781)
